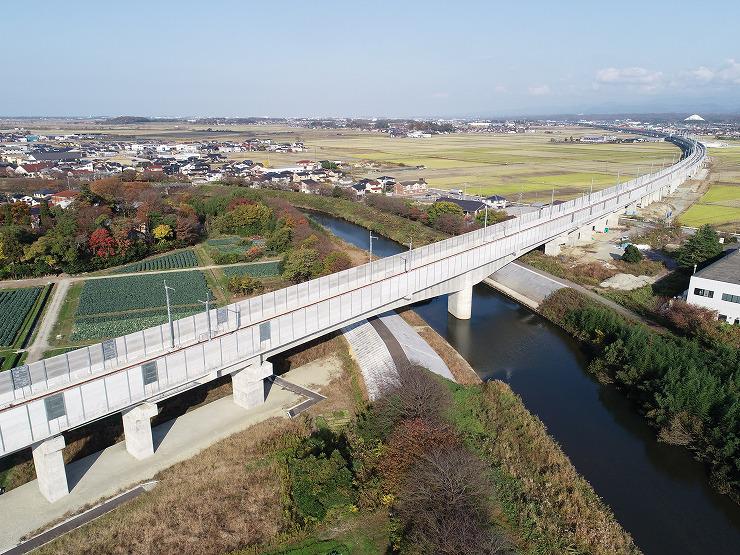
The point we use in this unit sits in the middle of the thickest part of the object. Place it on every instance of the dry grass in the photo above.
(227, 497)
(560, 502)
(308, 352)
(460, 368)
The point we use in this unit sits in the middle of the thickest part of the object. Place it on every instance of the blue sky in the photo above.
(393, 59)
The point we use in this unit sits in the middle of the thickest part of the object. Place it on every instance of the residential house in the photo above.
(470, 208)
(418, 187)
(496, 201)
(63, 198)
(717, 287)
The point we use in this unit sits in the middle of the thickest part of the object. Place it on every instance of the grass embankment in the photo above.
(341, 479)
(688, 387)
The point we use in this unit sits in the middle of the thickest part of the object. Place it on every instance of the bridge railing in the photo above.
(114, 374)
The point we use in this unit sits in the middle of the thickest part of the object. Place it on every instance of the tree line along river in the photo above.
(658, 492)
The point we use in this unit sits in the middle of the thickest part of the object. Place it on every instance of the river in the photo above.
(658, 492)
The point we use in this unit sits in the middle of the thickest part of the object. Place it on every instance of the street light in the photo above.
(167, 290)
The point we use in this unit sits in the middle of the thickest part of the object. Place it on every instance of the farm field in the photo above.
(720, 205)
(172, 261)
(121, 305)
(20, 309)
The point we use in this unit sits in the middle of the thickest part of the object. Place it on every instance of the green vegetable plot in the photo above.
(172, 261)
(266, 269)
(146, 291)
(15, 304)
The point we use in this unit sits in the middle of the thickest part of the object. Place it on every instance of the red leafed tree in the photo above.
(102, 244)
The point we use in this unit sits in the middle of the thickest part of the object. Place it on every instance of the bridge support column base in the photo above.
(552, 248)
(581, 236)
(50, 471)
(460, 304)
(137, 427)
(250, 384)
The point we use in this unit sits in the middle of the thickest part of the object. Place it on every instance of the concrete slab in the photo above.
(104, 474)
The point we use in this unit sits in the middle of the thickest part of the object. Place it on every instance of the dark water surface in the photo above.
(657, 492)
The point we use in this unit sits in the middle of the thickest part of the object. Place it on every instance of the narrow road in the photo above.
(49, 317)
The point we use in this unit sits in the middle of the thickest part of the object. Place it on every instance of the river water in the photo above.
(657, 492)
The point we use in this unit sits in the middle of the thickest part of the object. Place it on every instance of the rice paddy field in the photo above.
(526, 164)
(720, 205)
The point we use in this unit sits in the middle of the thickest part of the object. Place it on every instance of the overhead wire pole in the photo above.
(371, 252)
(167, 290)
(207, 304)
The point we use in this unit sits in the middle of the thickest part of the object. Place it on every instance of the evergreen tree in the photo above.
(700, 247)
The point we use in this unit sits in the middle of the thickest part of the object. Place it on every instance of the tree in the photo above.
(494, 217)
(245, 219)
(10, 247)
(302, 264)
(187, 227)
(162, 232)
(439, 208)
(451, 224)
(632, 254)
(337, 261)
(102, 244)
(704, 245)
(280, 239)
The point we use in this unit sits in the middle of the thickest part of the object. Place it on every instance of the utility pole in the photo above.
(485, 218)
(167, 290)
(207, 304)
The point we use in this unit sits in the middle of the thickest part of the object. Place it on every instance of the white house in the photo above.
(496, 201)
(717, 287)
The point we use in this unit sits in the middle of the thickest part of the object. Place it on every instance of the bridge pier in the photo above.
(581, 236)
(552, 248)
(50, 472)
(460, 304)
(137, 427)
(250, 384)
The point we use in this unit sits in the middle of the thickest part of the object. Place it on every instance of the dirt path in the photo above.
(41, 344)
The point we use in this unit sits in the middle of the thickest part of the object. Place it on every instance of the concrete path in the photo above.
(112, 470)
(41, 344)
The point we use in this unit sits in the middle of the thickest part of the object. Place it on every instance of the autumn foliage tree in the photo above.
(102, 244)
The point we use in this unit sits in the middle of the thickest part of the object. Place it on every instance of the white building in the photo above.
(717, 287)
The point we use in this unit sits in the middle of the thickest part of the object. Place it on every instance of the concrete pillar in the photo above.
(137, 427)
(612, 220)
(460, 304)
(552, 248)
(249, 384)
(631, 209)
(581, 236)
(50, 471)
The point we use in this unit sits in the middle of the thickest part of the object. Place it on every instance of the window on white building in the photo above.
(730, 298)
(703, 292)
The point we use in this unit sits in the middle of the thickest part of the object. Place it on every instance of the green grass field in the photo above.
(720, 205)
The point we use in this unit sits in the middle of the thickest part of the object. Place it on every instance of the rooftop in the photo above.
(726, 269)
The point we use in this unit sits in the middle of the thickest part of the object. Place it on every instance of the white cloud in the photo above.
(638, 77)
(539, 90)
(441, 95)
(727, 73)
(500, 89)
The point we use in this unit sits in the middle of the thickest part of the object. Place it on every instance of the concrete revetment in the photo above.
(50, 471)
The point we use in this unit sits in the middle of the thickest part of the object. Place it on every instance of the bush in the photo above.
(302, 264)
(701, 247)
(632, 254)
(245, 285)
(336, 262)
